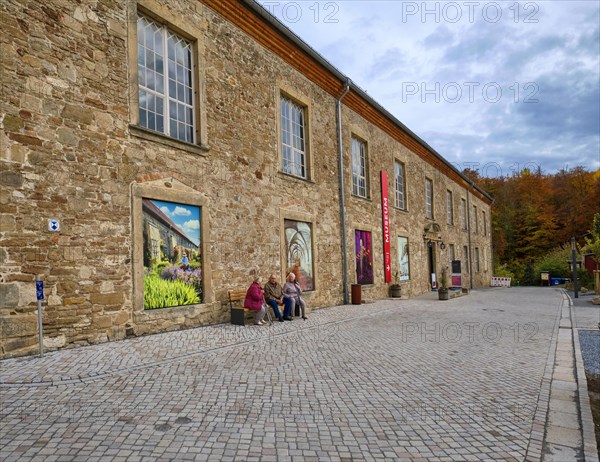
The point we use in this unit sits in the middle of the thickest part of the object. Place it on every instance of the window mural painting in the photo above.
(298, 242)
(364, 257)
(403, 264)
(172, 254)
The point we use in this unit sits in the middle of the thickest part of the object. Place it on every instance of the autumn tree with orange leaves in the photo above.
(534, 212)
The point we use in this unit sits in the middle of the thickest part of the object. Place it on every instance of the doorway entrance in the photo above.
(431, 264)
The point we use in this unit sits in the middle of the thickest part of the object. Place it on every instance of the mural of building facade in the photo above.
(172, 259)
(116, 113)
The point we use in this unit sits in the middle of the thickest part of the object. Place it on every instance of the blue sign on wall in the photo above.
(39, 290)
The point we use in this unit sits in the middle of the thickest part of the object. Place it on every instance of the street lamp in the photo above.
(574, 265)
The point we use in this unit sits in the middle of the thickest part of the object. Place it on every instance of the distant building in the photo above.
(161, 234)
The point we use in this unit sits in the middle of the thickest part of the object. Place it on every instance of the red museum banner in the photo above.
(385, 211)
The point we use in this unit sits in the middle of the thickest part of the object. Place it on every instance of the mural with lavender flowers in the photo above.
(172, 254)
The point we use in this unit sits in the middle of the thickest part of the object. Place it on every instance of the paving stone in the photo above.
(381, 381)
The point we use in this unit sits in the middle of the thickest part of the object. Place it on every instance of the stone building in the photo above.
(228, 123)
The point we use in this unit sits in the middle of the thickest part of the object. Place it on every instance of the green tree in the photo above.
(593, 242)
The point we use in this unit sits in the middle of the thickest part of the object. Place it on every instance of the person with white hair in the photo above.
(292, 293)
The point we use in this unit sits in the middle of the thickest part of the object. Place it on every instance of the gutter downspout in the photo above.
(469, 232)
(342, 201)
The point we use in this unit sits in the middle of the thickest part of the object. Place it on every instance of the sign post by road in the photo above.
(574, 257)
(39, 293)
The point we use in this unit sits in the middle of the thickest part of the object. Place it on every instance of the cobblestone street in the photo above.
(420, 379)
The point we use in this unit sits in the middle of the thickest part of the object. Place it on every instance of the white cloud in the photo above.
(181, 212)
(191, 225)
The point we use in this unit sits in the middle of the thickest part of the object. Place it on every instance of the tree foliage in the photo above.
(534, 213)
(593, 241)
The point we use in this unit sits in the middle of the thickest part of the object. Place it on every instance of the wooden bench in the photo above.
(236, 306)
(237, 309)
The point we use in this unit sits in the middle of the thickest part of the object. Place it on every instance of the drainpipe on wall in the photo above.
(342, 202)
(469, 233)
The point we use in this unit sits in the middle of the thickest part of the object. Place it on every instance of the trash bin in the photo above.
(356, 294)
(554, 281)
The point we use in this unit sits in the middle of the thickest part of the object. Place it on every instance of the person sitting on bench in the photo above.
(255, 300)
(274, 297)
(292, 292)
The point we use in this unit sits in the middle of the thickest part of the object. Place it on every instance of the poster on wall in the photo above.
(403, 263)
(172, 254)
(298, 244)
(364, 257)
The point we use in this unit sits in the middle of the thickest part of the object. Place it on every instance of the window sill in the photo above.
(289, 176)
(368, 199)
(150, 135)
(400, 210)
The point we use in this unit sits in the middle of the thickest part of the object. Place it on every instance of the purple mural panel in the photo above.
(364, 257)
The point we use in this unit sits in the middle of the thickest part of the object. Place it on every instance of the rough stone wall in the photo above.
(62, 147)
(68, 152)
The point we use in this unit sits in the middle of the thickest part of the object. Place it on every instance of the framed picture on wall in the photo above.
(403, 259)
(298, 242)
(364, 257)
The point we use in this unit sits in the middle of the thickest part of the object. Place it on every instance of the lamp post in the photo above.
(574, 265)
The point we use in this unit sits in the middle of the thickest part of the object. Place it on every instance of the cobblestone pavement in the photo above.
(420, 379)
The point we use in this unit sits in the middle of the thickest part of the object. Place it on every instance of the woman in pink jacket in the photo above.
(255, 300)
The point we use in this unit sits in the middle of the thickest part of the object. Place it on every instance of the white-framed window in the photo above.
(428, 198)
(463, 214)
(293, 138)
(451, 254)
(359, 168)
(484, 216)
(477, 259)
(465, 259)
(165, 81)
(475, 220)
(449, 208)
(400, 185)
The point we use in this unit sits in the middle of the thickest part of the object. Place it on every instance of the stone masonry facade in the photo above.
(73, 149)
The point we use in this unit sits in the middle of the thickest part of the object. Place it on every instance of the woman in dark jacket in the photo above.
(255, 300)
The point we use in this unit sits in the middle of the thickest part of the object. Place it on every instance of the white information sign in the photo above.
(53, 225)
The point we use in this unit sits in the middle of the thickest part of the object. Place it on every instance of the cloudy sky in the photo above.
(496, 86)
(187, 217)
